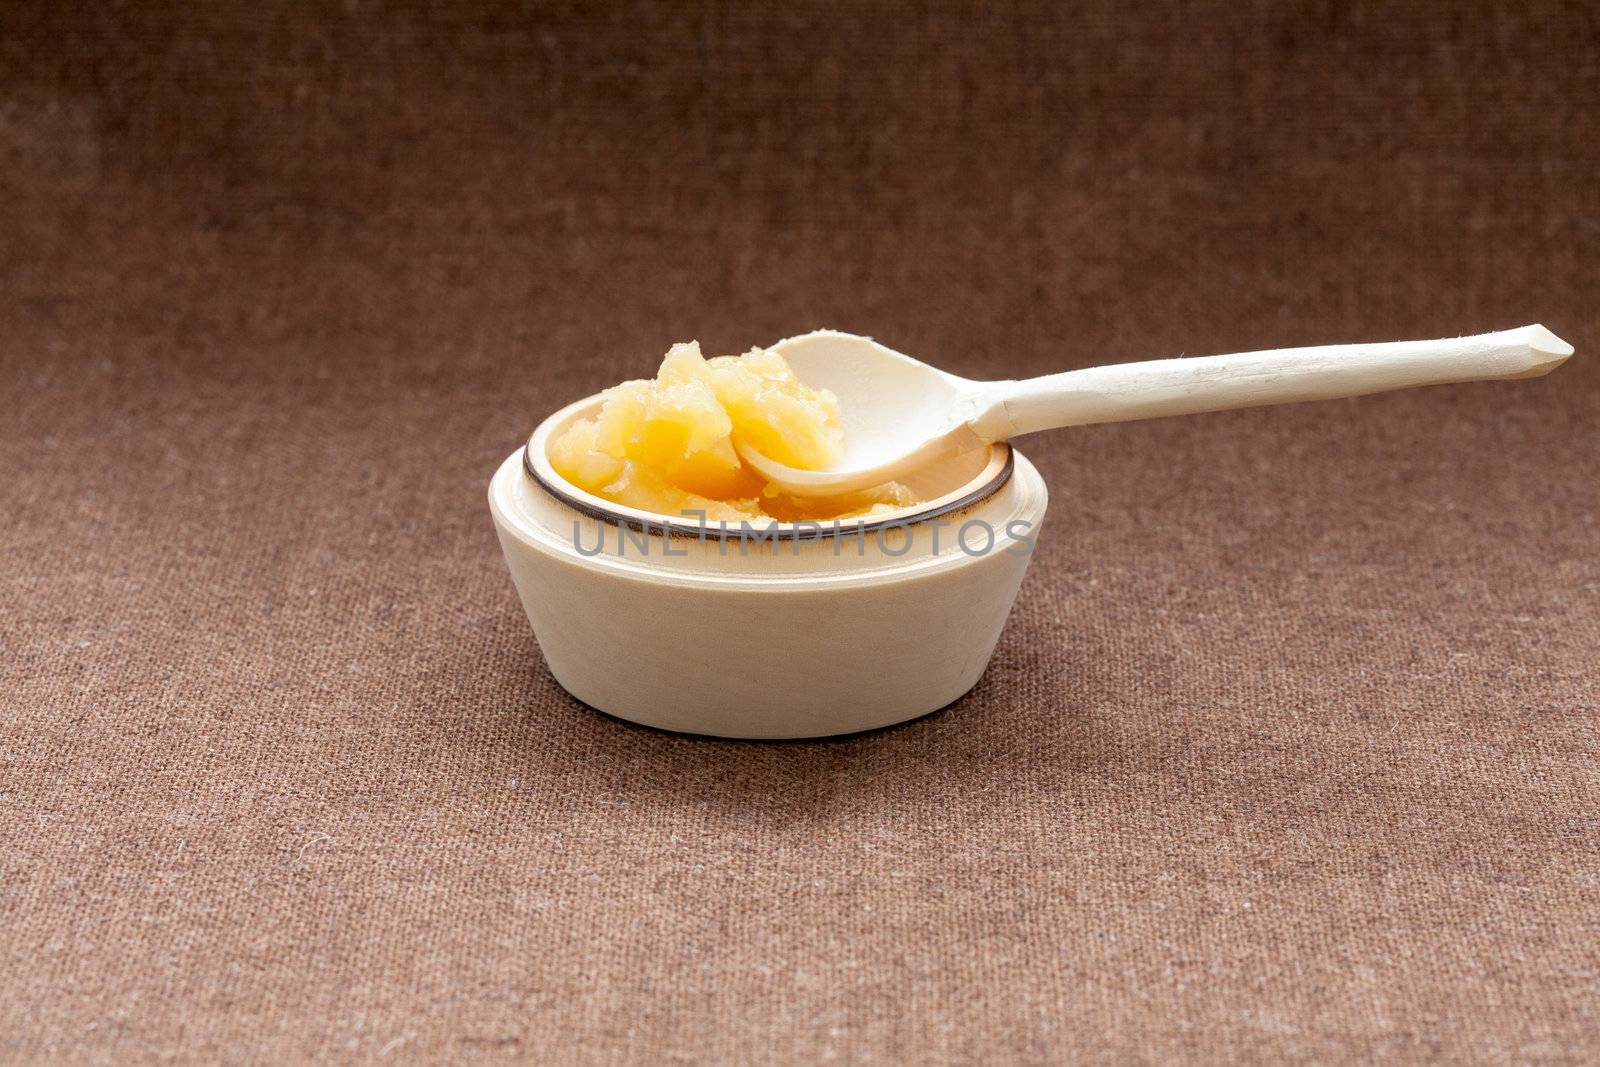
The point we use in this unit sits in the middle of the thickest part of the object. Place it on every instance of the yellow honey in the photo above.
(666, 445)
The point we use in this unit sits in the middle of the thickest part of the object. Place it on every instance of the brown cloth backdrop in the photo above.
(1290, 751)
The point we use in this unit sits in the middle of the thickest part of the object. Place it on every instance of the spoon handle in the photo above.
(1128, 391)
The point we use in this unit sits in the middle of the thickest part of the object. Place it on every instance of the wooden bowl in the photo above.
(777, 631)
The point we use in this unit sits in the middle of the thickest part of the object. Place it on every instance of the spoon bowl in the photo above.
(896, 412)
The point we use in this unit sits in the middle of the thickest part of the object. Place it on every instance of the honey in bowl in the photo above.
(666, 445)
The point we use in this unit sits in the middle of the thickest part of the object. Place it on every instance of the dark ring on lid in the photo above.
(812, 530)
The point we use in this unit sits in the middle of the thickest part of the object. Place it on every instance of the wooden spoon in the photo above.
(900, 414)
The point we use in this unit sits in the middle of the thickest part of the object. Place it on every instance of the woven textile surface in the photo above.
(1290, 751)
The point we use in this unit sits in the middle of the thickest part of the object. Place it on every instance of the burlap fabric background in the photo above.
(1289, 752)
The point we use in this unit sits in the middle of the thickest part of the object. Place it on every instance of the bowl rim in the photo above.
(537, 468)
